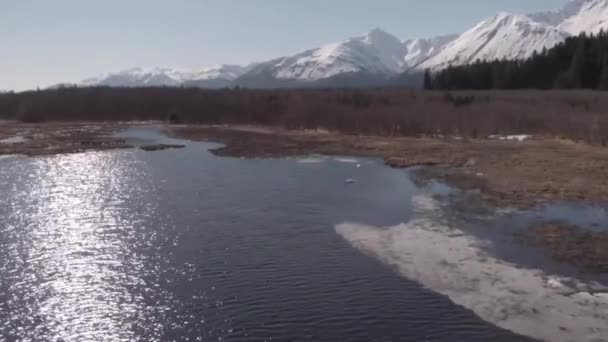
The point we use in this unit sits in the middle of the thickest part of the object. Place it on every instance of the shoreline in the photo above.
(32, 139)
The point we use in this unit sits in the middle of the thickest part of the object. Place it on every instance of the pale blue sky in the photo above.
(45, 42)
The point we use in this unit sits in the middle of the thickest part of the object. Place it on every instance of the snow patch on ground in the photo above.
(447, 260)
(518, 137)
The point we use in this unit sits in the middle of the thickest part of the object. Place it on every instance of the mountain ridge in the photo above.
(378, 56)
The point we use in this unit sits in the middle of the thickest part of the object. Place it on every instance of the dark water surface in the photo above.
(180, 245)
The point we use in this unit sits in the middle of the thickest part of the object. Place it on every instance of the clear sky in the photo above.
(50, 41)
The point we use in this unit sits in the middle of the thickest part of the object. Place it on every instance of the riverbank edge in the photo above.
(52, 138)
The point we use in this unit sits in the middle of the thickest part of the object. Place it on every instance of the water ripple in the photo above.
(73, 273)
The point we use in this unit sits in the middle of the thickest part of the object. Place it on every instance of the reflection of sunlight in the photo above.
(84, 277)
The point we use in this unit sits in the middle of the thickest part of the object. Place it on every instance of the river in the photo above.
(182, 245)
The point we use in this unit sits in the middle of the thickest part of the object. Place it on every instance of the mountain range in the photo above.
(379, 57)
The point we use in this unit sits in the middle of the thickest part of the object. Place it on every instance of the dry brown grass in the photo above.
(572, 245)
(54, 138)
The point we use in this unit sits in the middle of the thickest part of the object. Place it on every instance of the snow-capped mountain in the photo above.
(504, 36)
(137, 77)
(375, 56)
(556, 17)
(419, 49)
(141, 77)
(591, 18)
(366, 59)
(216, 77)
(577, 16)
(515, 36)
(376, 53)
(378, 56)
(226, 72)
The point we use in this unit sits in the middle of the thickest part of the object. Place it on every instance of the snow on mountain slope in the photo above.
(374, 56)
(591, 18)
(419, 49)
(225, 72)
(378, 55)
(140, 77)
(504, 36)
(556, 17)
(375, 53)
(146, 77)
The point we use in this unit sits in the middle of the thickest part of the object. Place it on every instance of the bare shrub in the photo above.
(577, 115)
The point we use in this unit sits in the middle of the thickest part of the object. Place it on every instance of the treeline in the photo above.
(578, 115)
(577, 63)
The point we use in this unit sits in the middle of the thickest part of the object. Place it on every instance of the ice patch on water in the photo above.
(311, 160)
(424, 204)
(555, 283)
(447, 260)
(13, 140)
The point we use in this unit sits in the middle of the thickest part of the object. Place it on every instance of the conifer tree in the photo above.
(577, 67)
(603, 85)
(576, 63)
(428, 82)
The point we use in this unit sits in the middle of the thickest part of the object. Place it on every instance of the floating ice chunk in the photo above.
(346, 160)
(311, 160)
